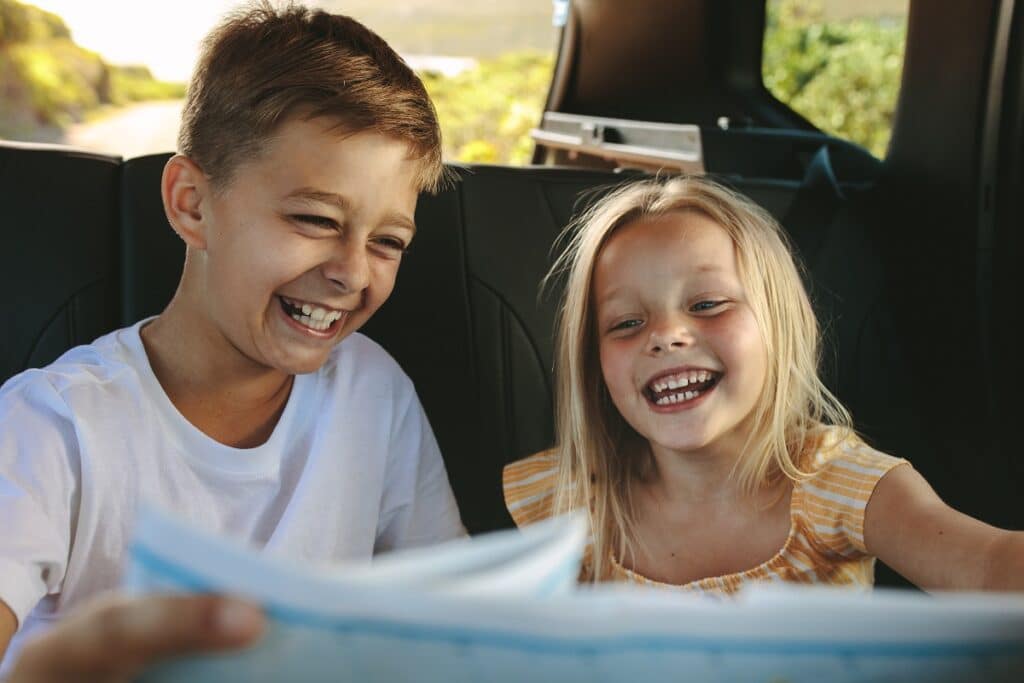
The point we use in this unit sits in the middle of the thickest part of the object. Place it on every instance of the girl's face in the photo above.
(680, 349)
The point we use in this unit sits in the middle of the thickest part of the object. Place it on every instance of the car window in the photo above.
(838, 64)
(71, 73)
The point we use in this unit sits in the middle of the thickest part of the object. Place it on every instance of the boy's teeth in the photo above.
(311, 323)
(313, 313)
(313, 317)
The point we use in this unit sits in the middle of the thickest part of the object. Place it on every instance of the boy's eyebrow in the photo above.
(335, 199)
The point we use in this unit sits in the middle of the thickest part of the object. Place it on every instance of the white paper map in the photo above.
(504, 607)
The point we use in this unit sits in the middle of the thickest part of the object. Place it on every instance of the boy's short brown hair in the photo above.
(263, 64)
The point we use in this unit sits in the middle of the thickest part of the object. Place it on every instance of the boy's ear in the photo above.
(185, 191)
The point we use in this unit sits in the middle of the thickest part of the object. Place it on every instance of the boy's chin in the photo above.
(295, 363)
(300, 365)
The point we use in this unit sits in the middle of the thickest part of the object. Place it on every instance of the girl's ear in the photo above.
(185, 191)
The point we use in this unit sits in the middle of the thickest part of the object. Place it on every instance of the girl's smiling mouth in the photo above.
(680, 386)
(313, 317)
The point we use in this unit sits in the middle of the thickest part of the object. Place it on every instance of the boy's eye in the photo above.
(317, 221)
(391, 244)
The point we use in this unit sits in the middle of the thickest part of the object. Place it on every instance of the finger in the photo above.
(119, 636)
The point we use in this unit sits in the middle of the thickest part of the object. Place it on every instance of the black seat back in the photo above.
(152, 254)
(465, 321)
(60, 255)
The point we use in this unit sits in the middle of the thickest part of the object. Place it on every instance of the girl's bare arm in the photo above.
(908, 527)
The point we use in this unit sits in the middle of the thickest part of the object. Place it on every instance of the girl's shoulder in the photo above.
(529, 487)
(844, 455)
(834, 498)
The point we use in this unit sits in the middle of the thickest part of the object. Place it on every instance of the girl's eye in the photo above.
(704, 306)
(626, 325)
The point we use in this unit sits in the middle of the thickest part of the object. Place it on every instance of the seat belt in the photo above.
(815, 205)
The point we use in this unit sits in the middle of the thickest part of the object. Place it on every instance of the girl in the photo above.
(694, 429)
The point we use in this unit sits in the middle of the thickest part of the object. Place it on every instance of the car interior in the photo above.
(911, 260)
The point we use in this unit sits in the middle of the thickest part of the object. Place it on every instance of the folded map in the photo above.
(505, 607)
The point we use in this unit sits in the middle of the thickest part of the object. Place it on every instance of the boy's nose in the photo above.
(349, 268)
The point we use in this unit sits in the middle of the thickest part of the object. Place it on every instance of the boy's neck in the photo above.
(221, 392)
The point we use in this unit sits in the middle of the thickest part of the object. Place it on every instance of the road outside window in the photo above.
(71, 73)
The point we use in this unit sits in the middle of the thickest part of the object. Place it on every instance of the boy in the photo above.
(248, 405)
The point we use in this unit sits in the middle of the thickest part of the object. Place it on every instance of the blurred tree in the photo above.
(487, 112)
(842, 76)
(48, 82)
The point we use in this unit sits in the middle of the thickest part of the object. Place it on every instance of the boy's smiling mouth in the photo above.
(680, 386)
(310, 315)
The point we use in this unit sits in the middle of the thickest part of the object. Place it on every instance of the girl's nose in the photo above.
(668, 336)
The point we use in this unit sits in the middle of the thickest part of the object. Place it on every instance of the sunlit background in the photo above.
(109, 75)
(163, 36)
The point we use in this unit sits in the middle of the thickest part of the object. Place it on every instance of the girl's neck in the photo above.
(704, 477)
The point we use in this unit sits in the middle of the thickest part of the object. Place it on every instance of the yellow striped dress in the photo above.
(826, 537)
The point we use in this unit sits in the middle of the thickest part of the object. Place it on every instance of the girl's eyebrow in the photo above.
(608, 296)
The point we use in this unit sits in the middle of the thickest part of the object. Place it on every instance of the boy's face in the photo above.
(304, 243)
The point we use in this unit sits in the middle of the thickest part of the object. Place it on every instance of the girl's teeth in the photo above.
(677, 398)
(680, 381)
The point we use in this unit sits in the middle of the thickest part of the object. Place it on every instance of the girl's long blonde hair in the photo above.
(600, 455)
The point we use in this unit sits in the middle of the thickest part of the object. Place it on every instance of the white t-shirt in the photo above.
(352, 468)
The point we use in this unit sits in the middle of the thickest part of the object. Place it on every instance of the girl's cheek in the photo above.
(611, 362)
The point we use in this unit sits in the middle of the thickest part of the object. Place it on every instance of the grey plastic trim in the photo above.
(644, 144)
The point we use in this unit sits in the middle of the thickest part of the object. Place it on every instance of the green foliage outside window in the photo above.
(486, 112)
(841, 75)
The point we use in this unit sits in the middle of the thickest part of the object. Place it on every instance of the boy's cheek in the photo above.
(384, 278)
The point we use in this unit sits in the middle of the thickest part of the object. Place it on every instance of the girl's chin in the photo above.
(688, 443)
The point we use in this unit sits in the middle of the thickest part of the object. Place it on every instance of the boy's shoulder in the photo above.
(98, 364)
